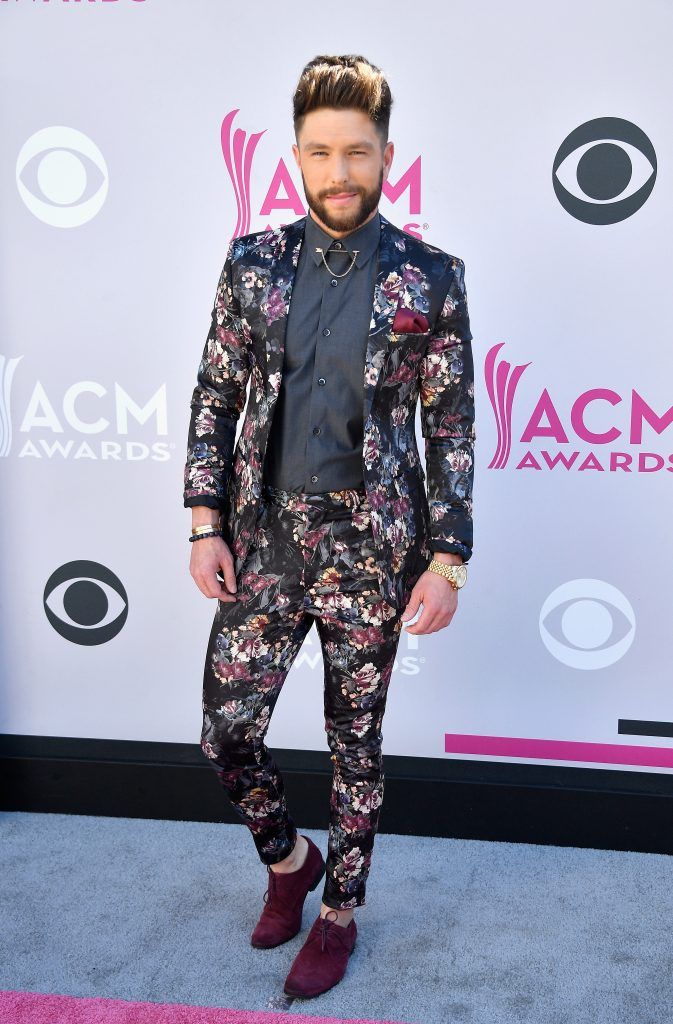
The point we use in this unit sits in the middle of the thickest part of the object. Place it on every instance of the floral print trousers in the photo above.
(312, 557)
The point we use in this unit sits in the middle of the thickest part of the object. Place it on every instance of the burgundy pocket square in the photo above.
(409, 321)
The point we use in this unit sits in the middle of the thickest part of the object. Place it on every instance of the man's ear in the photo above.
(388, 154)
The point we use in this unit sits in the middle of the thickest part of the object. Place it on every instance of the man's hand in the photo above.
(209, 556)
(438, 596)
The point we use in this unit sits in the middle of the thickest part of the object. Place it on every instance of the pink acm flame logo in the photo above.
(501, 384)
(238, 149)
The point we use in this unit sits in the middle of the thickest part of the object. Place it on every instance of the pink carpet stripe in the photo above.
(558, 750)
(34, 1008)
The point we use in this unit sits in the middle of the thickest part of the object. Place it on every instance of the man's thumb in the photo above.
(411, 608)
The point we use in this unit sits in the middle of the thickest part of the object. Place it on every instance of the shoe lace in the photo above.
(271, 893)
(325, 927)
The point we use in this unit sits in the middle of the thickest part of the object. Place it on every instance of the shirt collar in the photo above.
(366, 239)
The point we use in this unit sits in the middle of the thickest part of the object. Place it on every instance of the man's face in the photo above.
(342, 166)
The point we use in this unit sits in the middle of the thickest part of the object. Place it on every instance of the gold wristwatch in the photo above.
(455, 574)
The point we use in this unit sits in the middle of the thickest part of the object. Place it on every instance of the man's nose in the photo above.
(339, 171)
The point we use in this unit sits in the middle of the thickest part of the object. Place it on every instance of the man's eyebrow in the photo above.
(364, 144)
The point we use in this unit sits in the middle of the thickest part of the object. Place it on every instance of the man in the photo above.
(319, 512)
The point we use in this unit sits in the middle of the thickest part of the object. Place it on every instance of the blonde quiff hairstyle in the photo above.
(347, 81)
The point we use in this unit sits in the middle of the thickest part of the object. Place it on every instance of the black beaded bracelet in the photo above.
(210, 533)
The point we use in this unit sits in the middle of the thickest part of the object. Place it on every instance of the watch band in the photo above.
(456, 579)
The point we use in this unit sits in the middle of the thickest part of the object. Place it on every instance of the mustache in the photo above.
(339, 191)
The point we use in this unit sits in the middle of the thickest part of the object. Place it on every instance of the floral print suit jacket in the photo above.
(408, 355)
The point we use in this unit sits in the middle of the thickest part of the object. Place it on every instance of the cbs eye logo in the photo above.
(85, 603)
(63, 164)
(604, 171)
(590, 615)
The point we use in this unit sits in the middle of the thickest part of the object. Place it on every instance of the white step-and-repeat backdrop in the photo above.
(140, 135)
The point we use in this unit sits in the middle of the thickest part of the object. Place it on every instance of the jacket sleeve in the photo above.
(218, 399)
(447, 421)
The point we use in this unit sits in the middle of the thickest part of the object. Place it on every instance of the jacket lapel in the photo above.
(387, 287)
(283, 259)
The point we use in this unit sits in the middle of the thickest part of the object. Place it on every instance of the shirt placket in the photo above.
(325, 374)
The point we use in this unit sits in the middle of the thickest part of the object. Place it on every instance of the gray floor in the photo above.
(453, 930)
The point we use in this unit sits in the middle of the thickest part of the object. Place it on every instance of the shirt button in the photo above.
(314, 479)
(321, 381)
(337, 245)
(316, 430)
(334, 283)
(326, 332)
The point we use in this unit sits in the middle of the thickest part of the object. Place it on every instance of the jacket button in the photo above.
(326, 332)
(321, 381)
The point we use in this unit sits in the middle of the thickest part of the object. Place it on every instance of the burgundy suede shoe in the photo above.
(284, 900)
(322, 960)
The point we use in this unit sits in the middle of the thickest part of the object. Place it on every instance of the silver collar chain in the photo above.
(333, 272)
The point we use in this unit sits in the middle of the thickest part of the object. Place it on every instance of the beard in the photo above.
(338, 220)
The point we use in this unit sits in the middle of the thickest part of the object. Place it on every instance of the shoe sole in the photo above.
(311, 887)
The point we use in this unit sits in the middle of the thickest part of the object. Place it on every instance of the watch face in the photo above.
(461, 575)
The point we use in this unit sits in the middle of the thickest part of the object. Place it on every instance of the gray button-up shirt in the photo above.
(315, 442)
